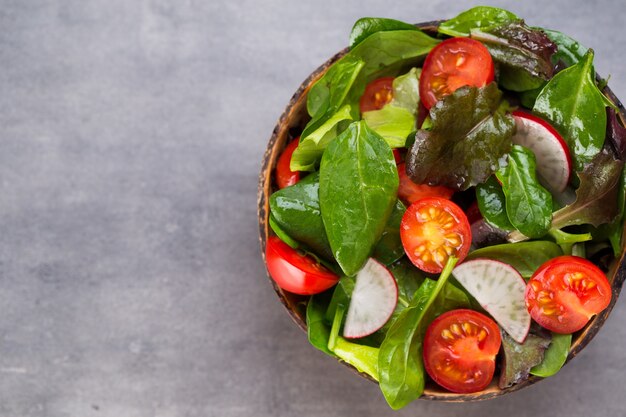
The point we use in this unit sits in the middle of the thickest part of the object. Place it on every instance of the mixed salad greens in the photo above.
(452, 206)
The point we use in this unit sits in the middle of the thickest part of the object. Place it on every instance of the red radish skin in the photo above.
(500, 290)
(554, 162)
(373, 301)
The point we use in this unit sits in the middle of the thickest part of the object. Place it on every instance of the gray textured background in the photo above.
(130, 277)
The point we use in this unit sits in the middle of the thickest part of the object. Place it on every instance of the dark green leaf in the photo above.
(389, 248)
(400, 358)
(341, 297)
(408, 278)
(358, 188)
(554, 357)
(568, 50)
(476, 17)
(282, 235)
(296, 210)
(529, 97)
(523, 54)
(492, 204)
(317, 330)
(596, 197)
(574, 105)
(526, 257)
(518, 359)
(334, 98)
(367, 26)
(528, 204)
(470, 133)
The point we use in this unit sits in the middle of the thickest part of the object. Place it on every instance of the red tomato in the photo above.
(397, 155)
(284, 175)
(565, 292)
(409, 192)
(296, 272)
(432, 230)
(460, 349)
(452, 64)
(377, 93)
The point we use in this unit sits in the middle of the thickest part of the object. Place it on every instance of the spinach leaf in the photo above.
(523, 54)
(528, 204)
(492, 204)
(406, 93)
(389, 248)
(296, 210)
(528, 98)
(568, 50)
(282, 235)
(554, 357)
(596, 197)
(400, 359)
(311, 147)
(476, 17)
(358, 188)
(363, 358)
(576, 107)
(340, 88)
(341, 297)
(470, 133)
(526, 257)
(317, 330)
(393, 123)
(367, 26)
(518, 358)
(408, 278)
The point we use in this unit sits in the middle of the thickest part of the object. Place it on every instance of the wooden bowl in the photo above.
(290, 124)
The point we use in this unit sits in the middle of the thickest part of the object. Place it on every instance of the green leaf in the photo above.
(518, 358)
(363, 358)
(311, 147)
(554, 357)
(528, 204)
(389, 248)
(569, 50)
(367, 26)
(574, 105)
(476, 17)
(393, 123)
(596, 197)
(408, 278)
(492, 204)
(470, 133)
(282, 235)
(358, 188)
(406, 92)
(317, 330)
(385, 53)
(296, 210)
(524, 54)
(525, 257)
(341, 297)
(400, 358)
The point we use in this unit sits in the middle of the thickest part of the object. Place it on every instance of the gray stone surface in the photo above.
(131, 283)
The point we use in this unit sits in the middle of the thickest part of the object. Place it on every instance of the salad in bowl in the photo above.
(442, 205)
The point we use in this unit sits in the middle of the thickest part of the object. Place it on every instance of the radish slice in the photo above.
(554, 163)
(374, 299)
(500, 290)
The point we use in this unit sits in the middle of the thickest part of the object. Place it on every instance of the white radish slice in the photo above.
(554, 163)
(374, 299)
(500, 290)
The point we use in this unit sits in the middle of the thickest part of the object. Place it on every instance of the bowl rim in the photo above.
(295, 304)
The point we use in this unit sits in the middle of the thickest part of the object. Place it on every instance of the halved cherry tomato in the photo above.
(432, 230)
(565, 292)
(377, 93)
(397, 155)
(296, 272)
(409, 192)
(460, 349)
(284, 175)
(452, 64)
